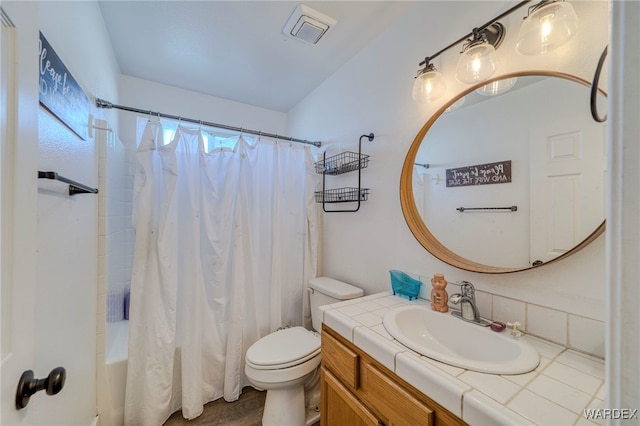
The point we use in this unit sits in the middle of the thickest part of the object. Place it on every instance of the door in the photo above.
(18, 202)
(567, 184)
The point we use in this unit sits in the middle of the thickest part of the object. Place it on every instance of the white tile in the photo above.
(100, 343)
(509, 310)
(522, 379)
(380, 312)
(595, 404)
(389, 300)
(483, 302)
(543, 364)
(540, 410)
(602, 392)
(345, 303)
(586, 335)
(368, 319)
(375, 296)
(102, 304)
(440, 387)
(383, 350)
(544, 348)
(582, 421)
(560, 393)
(479, 409)
(369, 306)
(449, 369)
(547, 323)
(341, 324)
(348, 310)
(493, 385)
(582, 362)
(382, 331)
(573, 377)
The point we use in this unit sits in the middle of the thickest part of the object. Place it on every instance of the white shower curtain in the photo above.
(225, 243)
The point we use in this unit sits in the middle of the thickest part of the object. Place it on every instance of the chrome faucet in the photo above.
(467, 300)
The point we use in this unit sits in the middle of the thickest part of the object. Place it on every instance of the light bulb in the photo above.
(428, 86)
(547, 28)
(477, 63)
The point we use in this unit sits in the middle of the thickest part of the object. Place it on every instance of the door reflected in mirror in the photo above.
(543, 129)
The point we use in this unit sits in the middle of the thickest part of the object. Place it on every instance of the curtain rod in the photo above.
(104, 104)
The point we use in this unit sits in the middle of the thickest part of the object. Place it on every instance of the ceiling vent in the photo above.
(308, 25)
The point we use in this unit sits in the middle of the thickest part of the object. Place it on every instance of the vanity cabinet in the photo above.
(358, 390)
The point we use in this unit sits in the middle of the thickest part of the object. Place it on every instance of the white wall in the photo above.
(147, 95)
(372, 93)
(66, 295)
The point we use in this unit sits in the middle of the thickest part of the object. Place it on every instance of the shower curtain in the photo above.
(225, 242)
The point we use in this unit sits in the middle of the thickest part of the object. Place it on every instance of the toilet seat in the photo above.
(283, 349)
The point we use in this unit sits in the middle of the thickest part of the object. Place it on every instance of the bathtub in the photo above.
(115, 374)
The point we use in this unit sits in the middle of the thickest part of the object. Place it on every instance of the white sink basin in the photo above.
(453, 341)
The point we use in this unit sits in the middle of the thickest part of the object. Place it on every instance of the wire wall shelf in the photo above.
(344, 162)
(342, 195)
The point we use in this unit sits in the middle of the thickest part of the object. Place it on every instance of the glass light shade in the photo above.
(428, 86)
(477, 63)
(497, 87)
(547, 28)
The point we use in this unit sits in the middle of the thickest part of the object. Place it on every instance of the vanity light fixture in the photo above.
(429, 84)
(497, 87)
(548, 25)
(478, 59)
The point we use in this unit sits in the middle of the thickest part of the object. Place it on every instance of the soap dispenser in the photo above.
(439, 296)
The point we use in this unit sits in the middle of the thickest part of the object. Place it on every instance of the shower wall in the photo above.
(115, 257)
(119, 169)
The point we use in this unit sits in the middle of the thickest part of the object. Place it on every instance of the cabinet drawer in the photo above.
(398, 406)
(340, 360)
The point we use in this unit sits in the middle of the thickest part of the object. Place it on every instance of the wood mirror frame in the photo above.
(415, 221)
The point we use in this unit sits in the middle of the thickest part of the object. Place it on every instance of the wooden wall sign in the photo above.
(60, 93)
(481, 174)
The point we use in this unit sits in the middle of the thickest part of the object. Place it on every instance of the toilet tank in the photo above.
(325, 291)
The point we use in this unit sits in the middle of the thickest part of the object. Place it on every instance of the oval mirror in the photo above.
(509, 181)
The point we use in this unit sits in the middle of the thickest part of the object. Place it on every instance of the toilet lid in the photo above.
(284, 348)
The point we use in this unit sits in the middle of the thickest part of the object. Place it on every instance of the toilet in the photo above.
(286, 362)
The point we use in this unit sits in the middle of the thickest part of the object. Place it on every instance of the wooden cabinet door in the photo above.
(395, 404)
(339, 407)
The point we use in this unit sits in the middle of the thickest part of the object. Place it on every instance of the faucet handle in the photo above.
(466, 288)
(455, 298)
(515, 332)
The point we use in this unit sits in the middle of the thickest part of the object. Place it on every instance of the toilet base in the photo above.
(291, 398)
(313, 416)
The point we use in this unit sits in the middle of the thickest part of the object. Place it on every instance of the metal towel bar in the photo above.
(74, 187)
(510, 208)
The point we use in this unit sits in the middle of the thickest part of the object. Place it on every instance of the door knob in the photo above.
(28, 385)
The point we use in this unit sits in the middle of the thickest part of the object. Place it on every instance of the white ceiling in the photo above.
(236, 49)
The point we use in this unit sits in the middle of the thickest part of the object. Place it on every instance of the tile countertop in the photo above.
(556, 393)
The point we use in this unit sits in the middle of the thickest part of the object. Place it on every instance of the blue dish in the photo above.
(403, 285)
